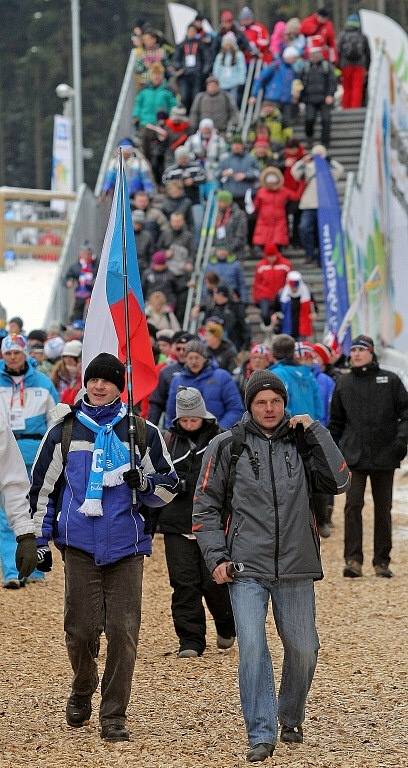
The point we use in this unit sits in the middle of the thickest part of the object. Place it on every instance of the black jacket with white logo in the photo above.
(369, 418)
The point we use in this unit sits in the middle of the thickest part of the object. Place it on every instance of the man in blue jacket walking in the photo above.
(28, 397)
(82, 498)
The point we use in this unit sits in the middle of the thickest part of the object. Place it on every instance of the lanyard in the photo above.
(190, 48)
(17, 387)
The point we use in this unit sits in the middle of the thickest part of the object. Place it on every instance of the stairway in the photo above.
(347, 134)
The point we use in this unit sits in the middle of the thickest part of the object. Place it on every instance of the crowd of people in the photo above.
(246, 439)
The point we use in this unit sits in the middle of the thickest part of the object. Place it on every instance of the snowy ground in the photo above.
(25, 290)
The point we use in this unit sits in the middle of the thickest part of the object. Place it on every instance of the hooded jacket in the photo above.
(219, 391)
(57, 493)
(271, 220)
(186, 451)
(230, 272)
(302, 388)
(369, 418)
(271, 529)
(276, 81)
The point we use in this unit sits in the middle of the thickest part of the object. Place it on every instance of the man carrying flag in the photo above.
(93, 472)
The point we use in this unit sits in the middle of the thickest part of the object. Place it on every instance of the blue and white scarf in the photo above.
(110, 459)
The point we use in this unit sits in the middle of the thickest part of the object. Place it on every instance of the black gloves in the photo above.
(26, 555)
(136, 479)
(44, 562)
(400, 449)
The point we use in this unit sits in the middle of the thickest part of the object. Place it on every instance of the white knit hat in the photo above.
(72, 349)
(190, 403)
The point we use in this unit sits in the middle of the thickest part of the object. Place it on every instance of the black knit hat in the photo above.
(363, 341)
(263, 380)
(107, 367)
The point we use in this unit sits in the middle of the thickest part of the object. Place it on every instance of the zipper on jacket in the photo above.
(275, 501)
(288, 464)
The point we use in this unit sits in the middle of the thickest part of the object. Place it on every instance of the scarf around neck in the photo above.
(110, 459)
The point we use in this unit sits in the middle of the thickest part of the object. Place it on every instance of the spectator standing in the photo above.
(238, 172)
(293, 152)
(149, 51)
(190, 433)
(138, 172)
(14, 488)
(155, 97)
(354, 62)
(262, 152)
(369, 418)
(103, 535)
(276, 81)
(217, 387)
(229, 270)
(188, 64)
(176, 237)
(270, 209)
(155, 220)
(214, 104)
(231, 227)
(28, 398)
(270, 278)
(66, 374)
(301, 385)
(294, 36)
(319, 86)
(259, 359)
(159, 278)
(178, 130)
(232, 314)
(206, 37)
(219, 348)
(158, 398)
(305, 171)
(160, 314)
(143, 238)
(208, 147)
(294, 308)
(256, 34)
(81, 277)
(271, 532)
(229, 66)
(227, 26)
(176, 201)
(319, 23)
(155, 143)
(191, 174)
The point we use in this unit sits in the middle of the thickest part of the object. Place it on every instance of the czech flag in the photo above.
(105, 329)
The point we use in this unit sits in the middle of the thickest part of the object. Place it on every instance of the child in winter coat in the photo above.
(229, 66)
(270, 209)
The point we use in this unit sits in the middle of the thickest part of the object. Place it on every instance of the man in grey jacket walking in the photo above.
(271, 533)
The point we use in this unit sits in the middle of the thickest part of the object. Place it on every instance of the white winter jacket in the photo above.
(14, 483)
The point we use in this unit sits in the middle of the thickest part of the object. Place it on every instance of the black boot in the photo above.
(114, 732)
(78, 711)
(259, 753)
(291, 735)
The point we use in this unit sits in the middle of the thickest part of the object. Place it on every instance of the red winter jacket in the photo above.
(270, 210)
(258, 34)
(311, 26)
(270, 278)
(177, 132)
(289, 181)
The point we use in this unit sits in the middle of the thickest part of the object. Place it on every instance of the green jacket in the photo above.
(150, 100)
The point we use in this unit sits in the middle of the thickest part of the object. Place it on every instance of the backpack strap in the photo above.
(141, 435)
(237, 446)
(66, 436)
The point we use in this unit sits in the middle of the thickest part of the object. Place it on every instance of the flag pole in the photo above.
(131, 411)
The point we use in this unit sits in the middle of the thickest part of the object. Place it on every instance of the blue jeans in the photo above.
(293, 606)
(8, 548)
(308, 231)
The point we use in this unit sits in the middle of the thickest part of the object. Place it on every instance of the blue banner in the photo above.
(332, 250)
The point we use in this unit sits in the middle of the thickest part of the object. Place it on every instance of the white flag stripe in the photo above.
(100, 334)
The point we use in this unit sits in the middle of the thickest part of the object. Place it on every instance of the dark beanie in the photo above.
(363, 341)
(263, 380)
(108, 367)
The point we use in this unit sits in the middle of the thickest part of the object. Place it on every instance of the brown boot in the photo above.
(352, 569)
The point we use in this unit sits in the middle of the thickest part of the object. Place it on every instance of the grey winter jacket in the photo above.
(271, 529)
(246, 164)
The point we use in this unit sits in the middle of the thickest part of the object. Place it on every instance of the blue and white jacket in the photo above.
(37, 397)
(57, 492)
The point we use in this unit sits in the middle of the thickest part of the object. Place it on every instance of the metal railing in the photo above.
(253, 110)
(27, 217)
(200, 266)
(83, 226)
(122, 124)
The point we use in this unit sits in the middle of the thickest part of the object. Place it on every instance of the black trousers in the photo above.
(381, 487)
(325, 116)
(191, 581)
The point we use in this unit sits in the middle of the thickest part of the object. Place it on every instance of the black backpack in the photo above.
(352, 47)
